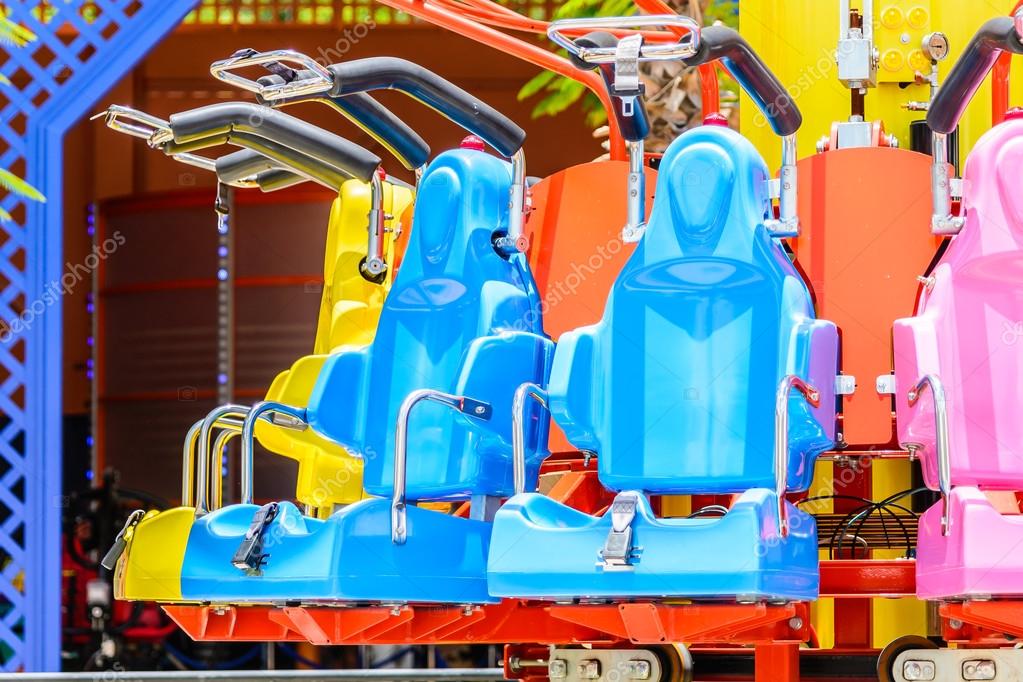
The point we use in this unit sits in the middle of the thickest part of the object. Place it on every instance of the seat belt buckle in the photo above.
(250, 557)
(619, 551)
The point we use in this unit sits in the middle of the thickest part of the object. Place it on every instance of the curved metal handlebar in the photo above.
(781, 439)
(467, 406)
(941, 439)
(684, 48)
(315, 78)
(522, 394)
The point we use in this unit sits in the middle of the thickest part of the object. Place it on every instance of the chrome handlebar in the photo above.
(319, 82)
(684, 48)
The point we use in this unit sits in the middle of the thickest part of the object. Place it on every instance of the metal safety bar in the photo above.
(468, 406)
(264, 410)
(941, 439)
(317, 82)
(522, 394)
(203, 467)
(189, 456)
(685, 47)
(781, 439)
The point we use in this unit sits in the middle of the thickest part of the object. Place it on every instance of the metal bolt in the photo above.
(918, 671)
(480, 409)
(558, 669)
(979, 669)
(796, 623)
(588, 669)
(955, 624)
(637, 669)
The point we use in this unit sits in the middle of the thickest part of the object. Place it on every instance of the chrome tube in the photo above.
(941, 439)
(787, 224)
(480, 410)
(635, 224)
(522, 394)
(515, 239)
(188, 457)
(685, 47)
(202, 483)
(781, 439)
(260, 410)
(942, 220)
(317, 80)
(375, 263)
(217, 473)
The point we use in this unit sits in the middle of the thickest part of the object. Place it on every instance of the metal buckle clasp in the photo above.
(619, 550)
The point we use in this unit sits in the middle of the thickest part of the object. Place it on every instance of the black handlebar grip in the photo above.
(993, 38)
(479, 118)
(277, 127)
(273, 180)
(247, 163)
(633, 128)
(287, 157)
(373, 118)
(745, 65)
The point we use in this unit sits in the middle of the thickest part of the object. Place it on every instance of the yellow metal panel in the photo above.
(798, 38)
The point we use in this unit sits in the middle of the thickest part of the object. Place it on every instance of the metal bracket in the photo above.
(885, 384)
(618, 551)
(627, 86)
(845, 384)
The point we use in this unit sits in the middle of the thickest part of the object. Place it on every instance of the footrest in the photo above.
(544, 550)
(982, 555)
(347, 557)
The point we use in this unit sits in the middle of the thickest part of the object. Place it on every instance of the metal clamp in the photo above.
(376, 265)
(250, 557)
(522, 394)
(316, 79)
(787, 223)
(635, 224)
(940, 436)
(683, 48)
(781, 439)
(619, 551)
(468, 406)
(515, 241)
(263, 410)
(942, 220)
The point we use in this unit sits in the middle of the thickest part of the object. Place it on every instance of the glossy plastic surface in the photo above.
(675, 387)
(461, 319)
(349, 311)
(969, 328)
(546, 550)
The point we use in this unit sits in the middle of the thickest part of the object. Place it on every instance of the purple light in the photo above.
(221, 379)
(88, 474)
(222, 274)
(90, 308)
(222, 251)
(89, 374)
(89, 441)
(91, 231)
(88, 341)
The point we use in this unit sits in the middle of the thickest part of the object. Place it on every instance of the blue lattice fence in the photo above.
(84, 48)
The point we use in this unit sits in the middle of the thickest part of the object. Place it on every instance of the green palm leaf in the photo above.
(15, 185)
(13, 34)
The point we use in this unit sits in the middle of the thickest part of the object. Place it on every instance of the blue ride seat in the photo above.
(460, 320)
(704, 334)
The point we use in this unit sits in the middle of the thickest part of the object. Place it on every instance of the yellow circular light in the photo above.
(919, 61)
(893, 60)
(891, 17)
(918, 17)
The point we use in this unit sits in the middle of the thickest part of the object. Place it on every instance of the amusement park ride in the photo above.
(776, 416)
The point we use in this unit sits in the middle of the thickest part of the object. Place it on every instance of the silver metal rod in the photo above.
(260, 410)
(787, 224)
(515, 240)
(219, 453)
(188, 457)
(375, 263)
(399, 527)
(781, 438)
(636, 200)
(941, 439)
(320, 81)
(522, 394)
(942, 220)
(203, 468)
(685, 47)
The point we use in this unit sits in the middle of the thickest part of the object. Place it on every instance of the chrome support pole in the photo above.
(781, 439)
(522, 394)
(940, 437)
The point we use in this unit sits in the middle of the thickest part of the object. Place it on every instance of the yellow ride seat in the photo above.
(150, 567)
(349, 310)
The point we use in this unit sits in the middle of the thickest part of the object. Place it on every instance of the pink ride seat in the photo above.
(968, 333)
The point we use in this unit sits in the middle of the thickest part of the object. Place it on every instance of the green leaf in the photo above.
(15, 185)
(14, 34)
(5, 217)
(536, 84)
